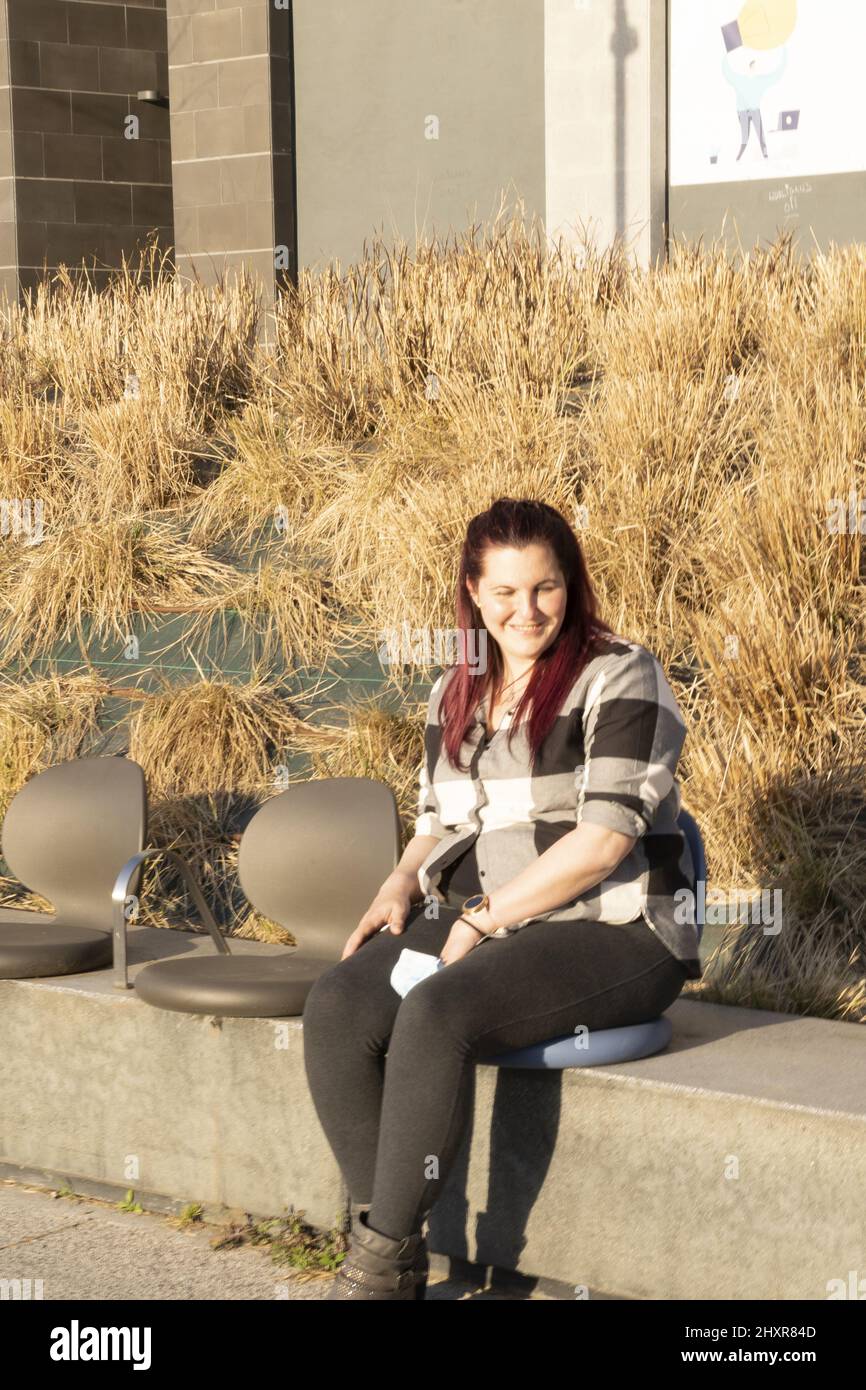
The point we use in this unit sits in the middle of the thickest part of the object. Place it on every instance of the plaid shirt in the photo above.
(609, 759)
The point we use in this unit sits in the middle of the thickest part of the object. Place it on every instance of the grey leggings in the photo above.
(396, 1129)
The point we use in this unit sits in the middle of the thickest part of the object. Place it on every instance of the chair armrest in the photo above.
(118, 899)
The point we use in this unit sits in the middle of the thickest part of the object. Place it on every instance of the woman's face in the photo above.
(522, 596)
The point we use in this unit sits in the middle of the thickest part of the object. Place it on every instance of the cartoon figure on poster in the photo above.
(766, 88)
(762, 28)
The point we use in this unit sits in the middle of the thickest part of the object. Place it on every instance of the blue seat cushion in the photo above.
(593, 1049)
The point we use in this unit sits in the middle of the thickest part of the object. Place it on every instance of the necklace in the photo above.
(512, 709)
(514, 682)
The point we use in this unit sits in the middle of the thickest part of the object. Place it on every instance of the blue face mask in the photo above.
(411, 967)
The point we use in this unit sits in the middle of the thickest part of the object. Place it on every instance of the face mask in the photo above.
(411, 967)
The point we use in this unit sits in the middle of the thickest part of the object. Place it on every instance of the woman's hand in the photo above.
(461, 940)
(389, 908)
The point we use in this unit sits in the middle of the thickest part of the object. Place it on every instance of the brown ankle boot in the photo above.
(376, 1266)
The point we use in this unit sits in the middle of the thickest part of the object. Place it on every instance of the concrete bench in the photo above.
(731, 1165)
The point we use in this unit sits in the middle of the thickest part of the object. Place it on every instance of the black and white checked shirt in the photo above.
(609, 759)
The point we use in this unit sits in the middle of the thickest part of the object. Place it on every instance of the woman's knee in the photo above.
(331, 995)
(351, 1004)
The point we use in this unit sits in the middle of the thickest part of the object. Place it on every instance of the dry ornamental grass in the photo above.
(703, 422)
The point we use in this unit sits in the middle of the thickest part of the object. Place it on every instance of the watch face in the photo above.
(474, 902)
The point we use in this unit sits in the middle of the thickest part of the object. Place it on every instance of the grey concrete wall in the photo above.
(559, 101)
(605, 119)
(84, 191)
(816, 209)
(409, 119)
(730, 1165)
(375, 81)
(231, 133)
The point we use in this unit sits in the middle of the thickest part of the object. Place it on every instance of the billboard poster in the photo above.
(766, 89)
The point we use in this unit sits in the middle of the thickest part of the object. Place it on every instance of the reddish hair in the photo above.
(517, 523)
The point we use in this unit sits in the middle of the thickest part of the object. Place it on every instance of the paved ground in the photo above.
(86, 1249)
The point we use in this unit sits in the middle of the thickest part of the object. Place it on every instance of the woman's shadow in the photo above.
(523, 1133)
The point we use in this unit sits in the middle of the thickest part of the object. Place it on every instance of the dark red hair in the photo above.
(517, 523)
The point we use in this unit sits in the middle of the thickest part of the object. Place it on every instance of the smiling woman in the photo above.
(567, 837)
(524, 600)
(546, 823)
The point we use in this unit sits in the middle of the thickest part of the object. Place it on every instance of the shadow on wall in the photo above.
(623, 43)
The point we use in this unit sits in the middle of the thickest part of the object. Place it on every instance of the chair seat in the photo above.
(43, 946)
(603, 1046)
(16, 915)
(240, 986)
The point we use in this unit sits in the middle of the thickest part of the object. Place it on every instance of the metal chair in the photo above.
(311, 859)
(64, 835)
(609, 1045)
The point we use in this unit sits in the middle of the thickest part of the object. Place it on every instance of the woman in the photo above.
(532, 875)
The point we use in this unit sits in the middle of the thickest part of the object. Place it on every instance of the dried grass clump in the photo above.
(212, 736)
(101, 573)
(505, 313)
(35, 454)
(373, 742)
(276, 469)
(288, 607)
(833, 313)
(132, 457)
(44, 722)
(807, 843)
(390, 534)
(700, 312)
(654, 460)
(190, 345)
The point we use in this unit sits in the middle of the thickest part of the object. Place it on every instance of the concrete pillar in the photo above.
(605, 121)
(232, 138)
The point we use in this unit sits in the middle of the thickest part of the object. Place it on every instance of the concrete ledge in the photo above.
(733, 1165)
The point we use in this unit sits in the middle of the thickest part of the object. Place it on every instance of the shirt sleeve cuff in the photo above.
(430, 824)
(615, 817)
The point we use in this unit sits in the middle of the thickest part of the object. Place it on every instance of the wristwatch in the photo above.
(478, 903)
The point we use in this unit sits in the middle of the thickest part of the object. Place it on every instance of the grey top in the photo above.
(610, 759)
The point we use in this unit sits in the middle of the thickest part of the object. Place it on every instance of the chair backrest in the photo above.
(313, 857)
(70, 830)
(691, 830)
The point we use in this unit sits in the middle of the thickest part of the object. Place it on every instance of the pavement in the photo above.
(84, 1248)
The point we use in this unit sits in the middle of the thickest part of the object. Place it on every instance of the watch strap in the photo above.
(473, 926)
